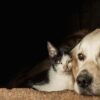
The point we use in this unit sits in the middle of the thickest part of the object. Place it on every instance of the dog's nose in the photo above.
(84, 80)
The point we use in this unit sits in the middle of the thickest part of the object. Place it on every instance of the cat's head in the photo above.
(60, 58)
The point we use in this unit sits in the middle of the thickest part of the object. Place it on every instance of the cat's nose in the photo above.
(65, 67)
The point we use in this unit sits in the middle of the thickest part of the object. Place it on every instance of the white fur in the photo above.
(59, 80)
(90, 47)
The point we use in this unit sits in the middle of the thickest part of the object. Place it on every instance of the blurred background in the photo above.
(28, 27)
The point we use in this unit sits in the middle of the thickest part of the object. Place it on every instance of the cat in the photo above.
(59, 75)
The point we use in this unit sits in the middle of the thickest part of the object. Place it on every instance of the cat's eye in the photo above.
(81, 57)
(59, 62)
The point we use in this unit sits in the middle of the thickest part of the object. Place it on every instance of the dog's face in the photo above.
(86, 64)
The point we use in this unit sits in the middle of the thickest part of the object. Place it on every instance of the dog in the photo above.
(86, 64)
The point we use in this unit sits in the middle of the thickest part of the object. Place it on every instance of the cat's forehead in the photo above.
(60, 56)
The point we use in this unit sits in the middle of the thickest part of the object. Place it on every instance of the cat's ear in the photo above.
(51, 50)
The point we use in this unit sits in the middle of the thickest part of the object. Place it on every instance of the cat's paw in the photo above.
(35, 87)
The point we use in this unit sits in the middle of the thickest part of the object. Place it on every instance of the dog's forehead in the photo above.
(90, 44)
(91, 41)
(92, 37)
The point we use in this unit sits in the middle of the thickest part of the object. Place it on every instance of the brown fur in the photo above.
(75, 68)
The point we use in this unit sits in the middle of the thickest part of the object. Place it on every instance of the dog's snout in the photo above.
(84, 80)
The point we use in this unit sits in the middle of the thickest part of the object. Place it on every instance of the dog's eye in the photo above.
(81, 56)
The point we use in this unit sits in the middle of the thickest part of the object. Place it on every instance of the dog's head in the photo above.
(86, 64)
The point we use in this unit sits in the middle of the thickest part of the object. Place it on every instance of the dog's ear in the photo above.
(51, 50)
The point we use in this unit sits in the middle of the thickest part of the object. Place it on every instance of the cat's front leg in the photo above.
(43, 87)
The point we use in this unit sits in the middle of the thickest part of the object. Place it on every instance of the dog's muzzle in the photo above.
(84, 79)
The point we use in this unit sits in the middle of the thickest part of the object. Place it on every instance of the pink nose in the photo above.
(65, 68)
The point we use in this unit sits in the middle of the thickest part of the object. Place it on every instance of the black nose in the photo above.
(84, 80)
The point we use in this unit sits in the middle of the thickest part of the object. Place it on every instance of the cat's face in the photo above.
(64, 64)
(60, 58)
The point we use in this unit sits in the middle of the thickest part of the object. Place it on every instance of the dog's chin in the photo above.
(83, 91)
